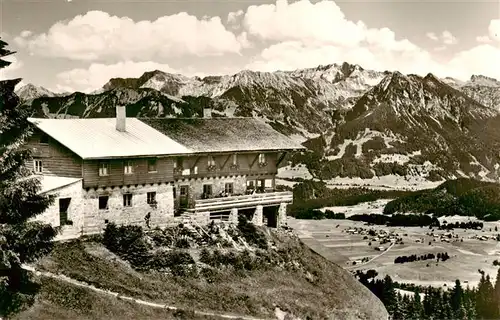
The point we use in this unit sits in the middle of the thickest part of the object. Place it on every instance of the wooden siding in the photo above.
(57, 160)
(117, 177)
(247, 164)
(166, 173)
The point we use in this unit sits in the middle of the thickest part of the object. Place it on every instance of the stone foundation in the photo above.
(257, 218)
(161, 215)
(282, 217)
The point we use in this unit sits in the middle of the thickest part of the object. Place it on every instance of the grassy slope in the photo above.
(323, 290)
(61, 300)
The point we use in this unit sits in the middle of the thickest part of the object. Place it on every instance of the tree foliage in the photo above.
(458, 303)
(21, 240)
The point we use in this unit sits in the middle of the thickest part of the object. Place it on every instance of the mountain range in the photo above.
(358, 122)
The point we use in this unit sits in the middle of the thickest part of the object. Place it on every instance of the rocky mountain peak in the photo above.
(31, 91)
(484, 81)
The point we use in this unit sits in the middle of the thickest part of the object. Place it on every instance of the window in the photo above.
(127, 200)
(44, 138)
(235, 159)
(250, 184)
(151, 197)
(152, 165)
(186, 172)
(103, 169)
(174, 191)
(228, 188)
(103, 202)
(268, 183)
(178, 163)
(195, 170)
(211, 161)
(184, 191)
(262, 158)
(207, 190)
(128, 167)
(63, 211)
(38, 166)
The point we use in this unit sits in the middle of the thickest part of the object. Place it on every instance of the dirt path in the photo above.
(377, 256)
(138, 301)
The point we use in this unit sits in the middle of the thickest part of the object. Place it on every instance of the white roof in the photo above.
(98, 138)
(53, 182)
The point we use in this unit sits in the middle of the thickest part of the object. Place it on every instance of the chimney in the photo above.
(207, 113)
(120, 118)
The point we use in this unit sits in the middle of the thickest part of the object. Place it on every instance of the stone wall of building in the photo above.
(96, 219)
(218, 185)
(75, 211)
(282, 217)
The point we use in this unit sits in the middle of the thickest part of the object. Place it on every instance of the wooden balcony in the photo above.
(242, 202)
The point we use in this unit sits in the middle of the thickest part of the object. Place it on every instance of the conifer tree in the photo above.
(456, 298)
(389, 294)
(417, 305)
(497, 291)
(21, 241)
(398, 312)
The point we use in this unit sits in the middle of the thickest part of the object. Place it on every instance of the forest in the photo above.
(481, 302)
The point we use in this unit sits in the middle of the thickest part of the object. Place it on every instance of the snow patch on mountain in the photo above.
(361, 139)
(396, 157)
(298, 171)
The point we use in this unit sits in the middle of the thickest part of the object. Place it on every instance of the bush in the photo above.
(250, 233)
(128, 243)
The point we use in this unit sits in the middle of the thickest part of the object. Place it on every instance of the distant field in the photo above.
(343, 248)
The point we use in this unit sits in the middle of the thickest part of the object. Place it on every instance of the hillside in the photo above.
(360, 123)
(464, 197)
(236, 270)
(412, 125)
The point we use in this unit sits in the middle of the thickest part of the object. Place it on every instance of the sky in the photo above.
(78, 45)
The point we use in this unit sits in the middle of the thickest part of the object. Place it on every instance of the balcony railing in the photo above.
(242, 202)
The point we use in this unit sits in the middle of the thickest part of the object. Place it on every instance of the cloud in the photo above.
(432, 36)
(9, 72)
(232, 17)
(87, 80)
(293, 55)
(494, 30)
(97, 36)
(26, 34)
(478, 60)
(320, 34)
(320, 23)
(493, 33)
(448, 38)
(483, 39)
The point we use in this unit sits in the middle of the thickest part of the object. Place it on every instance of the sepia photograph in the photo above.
(250, 159)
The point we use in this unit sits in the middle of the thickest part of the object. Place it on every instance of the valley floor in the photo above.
(467, 253)
(287, 174)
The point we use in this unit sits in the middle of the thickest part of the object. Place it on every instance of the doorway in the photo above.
(183, 196)
(63, 211)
